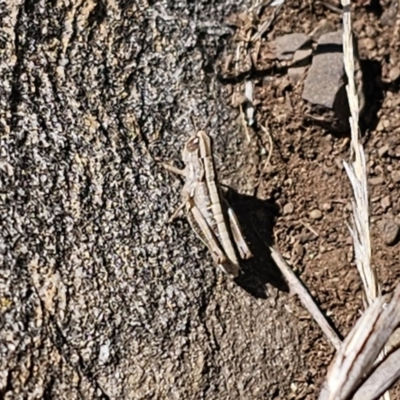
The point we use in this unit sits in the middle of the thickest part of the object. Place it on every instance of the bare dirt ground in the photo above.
(99, 296)
(305, 174)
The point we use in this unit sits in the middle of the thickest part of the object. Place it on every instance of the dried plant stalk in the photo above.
(384, 376)
(352, 374)
(357, 171)
(359, 351)
(297, 287)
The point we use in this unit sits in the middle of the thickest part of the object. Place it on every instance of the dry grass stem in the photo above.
(270, 148)
(383, 377)
(309, 227)
(266, 24)
(356, 359)
(244, 123)
(352, 373)
(357, 170)
(297, 287)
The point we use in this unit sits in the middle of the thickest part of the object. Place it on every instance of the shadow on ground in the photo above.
(373, 94)
(257, 219)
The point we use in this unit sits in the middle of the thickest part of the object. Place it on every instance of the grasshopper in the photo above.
(207, 211)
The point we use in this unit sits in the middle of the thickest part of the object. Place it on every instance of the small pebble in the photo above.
(305, 237)
(358, 25)
(327, 206)
(386, 203)
(298, 252)
(369, 30)
(316, 214)
(375, 181)
(368, 43)
(382, 151)
(379, 127)
(339, 163)
(394, 73)
(378, 170)
(395, 176)
(348, 207)
(390, 232)
(288, 208)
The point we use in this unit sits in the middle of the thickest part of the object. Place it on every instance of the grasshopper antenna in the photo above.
(208, 120)
(194, 123)
(205, 124)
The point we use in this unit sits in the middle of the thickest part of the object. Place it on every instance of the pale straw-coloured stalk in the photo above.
(357, 171)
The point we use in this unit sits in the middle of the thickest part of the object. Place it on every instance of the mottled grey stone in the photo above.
(325, 77)
(390, 231)
(324, 87)
(286, 45)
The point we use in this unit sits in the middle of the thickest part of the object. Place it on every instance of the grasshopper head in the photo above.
(199, 145)
(191, 149)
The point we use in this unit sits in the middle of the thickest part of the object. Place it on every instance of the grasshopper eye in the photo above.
(192, 145)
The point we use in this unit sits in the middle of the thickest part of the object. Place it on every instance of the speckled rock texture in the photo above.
(326, 75)
(99, 296)
(325, 85)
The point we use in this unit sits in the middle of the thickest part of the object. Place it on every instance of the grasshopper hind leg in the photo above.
(237, 234)
(206, 235)
(174, 216)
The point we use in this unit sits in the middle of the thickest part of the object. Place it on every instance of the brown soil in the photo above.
(305, 173)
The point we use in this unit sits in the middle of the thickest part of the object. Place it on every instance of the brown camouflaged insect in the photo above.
(209, 214)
